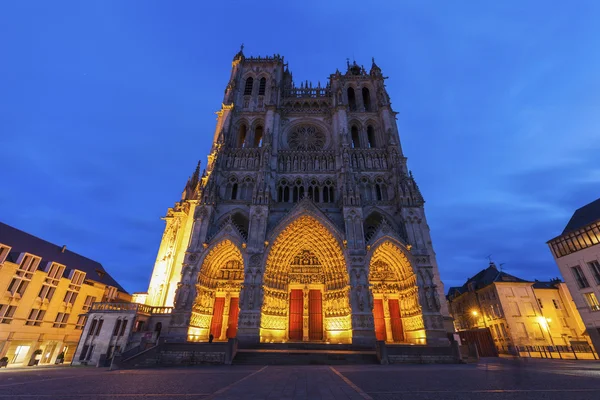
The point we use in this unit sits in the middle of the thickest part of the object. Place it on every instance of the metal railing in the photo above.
(575, 351)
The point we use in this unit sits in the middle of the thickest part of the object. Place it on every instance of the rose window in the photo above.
(306, 138)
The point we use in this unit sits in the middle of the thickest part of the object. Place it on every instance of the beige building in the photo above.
(45, 291)
(517, 312)
(577, 254)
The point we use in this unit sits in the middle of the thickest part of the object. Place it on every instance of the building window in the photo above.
(351, 99)
(355, 138)
(262, 86)
(582, 281)
(123, 326)
(61, 320)
(371, 137)
(89, 300)
(540, 303)
(366, 99)
(18, 286)
(248, 87)
(6, 313)
(92, 327)
(99, 327)
(46, 292)
(80, 322)
(70, 297)
(592, 301)
(117, 328)
(241, 140)
(595, 268)
(36, 317)
(258, 136)
(556, 304)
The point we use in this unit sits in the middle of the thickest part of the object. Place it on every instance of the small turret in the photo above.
(240, 54)
(375, 70)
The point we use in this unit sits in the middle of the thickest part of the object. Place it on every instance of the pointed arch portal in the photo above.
(306, 286)
(216, 308)
(396, 310)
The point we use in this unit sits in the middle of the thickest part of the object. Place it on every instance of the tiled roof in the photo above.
(584, 216)
(21, 242)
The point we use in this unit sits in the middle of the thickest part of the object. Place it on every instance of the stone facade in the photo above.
(306, 224)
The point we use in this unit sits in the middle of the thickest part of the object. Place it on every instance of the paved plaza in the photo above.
(488, 379)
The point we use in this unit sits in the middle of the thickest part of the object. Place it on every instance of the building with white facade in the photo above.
(577, 254)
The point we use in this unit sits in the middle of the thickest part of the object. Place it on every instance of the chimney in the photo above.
(64, 248)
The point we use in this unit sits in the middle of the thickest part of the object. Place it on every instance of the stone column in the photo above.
(225, 323)
(387, 319)
(361, 302)
(305, 331)
(251, 298)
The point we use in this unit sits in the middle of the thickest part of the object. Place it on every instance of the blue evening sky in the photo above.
(106, 106)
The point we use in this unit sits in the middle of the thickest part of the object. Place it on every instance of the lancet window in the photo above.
(371, 141)
(248, 87)
(351, 99)
(241, 139)
(262, 86)
(258, 136)
(295, 191)
(366, 99)
(355, 137)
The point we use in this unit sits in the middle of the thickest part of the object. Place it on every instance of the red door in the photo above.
(296, 304)
(378, 319)
(396, 321)
(234, 311)
(217, 320)
(315, 315)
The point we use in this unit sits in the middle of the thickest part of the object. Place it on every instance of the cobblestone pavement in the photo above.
(489, 379)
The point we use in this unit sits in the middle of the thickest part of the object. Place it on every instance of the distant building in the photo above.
(577, 254)
(45, 291)
(517, 312)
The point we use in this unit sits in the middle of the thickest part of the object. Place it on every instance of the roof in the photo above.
(22, 242)
(547, 284)
(583, 216)
(484, 278)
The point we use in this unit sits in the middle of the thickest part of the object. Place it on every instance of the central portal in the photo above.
(306, 287)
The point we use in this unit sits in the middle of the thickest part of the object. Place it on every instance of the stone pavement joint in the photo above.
(351, 384)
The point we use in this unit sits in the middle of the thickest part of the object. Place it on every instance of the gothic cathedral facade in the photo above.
(306, 224)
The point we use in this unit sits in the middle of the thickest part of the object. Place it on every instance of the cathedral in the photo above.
(306, 224)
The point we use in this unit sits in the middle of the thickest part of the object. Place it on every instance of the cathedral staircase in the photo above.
(302, 353)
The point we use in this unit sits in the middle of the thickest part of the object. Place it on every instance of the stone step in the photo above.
(304, 357)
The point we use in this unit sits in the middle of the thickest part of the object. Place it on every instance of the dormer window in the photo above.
(4, 250)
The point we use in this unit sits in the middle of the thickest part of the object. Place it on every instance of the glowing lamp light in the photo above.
(475, 313)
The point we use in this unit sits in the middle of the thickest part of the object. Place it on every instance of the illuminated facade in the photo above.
(577, 254)
(306, 224)
(517, 312)
(45, 291)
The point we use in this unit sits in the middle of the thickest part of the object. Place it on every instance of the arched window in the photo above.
(258, 134)
(325, 195)
(371, 137)
(331, 199)
(248, 87)
(286, 194)
(280, 194)
(351, 99)
(316, 195)
(366, 99)
(242, 136)
(234, 190)
(355, 138)
(310, 192)
(379, 193)
(262, 86)
(295, 199)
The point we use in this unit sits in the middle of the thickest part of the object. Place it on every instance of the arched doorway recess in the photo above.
(306, 286)
(396, 310)
(216, 307)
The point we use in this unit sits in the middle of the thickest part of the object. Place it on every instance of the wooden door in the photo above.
(296, 305)
(315, 315)
(379, 319)
(232, 323)
(396, 321)
(217, 320)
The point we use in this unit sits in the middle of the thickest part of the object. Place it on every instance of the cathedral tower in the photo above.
(306, 224)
